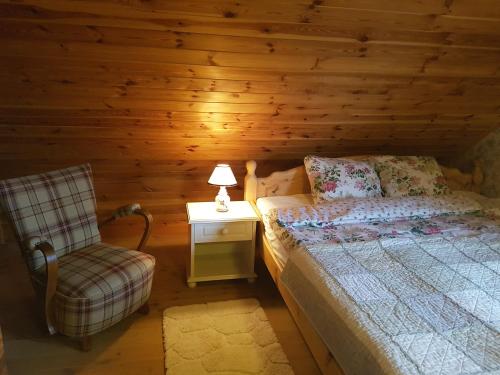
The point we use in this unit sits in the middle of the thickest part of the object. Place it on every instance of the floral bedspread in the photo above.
(353, 220)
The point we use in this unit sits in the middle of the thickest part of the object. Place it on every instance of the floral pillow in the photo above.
(402, 176)
(341, 178)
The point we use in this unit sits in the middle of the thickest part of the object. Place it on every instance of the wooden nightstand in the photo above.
(222, 243)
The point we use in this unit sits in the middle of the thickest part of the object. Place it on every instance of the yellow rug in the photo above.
(221, 338)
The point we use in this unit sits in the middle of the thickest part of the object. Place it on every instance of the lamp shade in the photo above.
(222, 176)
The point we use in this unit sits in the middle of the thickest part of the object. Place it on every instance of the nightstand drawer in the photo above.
(221, 232)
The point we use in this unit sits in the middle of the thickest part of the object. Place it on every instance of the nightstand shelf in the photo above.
(222, 243)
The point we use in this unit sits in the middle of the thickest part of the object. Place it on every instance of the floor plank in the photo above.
(135, 345)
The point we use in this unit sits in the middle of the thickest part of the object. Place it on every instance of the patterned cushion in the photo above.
(402, 176)
(98, 286)
(341, 178)
(58, 206)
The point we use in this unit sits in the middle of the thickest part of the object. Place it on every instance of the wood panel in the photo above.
(154, 93)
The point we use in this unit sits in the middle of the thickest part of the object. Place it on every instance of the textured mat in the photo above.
(231, 337)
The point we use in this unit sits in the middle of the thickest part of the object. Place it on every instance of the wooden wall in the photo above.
(154, 93)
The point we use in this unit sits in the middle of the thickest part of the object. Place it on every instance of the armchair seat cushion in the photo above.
(100, 285)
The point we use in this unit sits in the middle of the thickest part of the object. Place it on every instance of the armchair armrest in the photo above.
(129, 210)
(51, 273)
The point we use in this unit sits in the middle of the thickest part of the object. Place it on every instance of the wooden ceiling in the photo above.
(153, 93)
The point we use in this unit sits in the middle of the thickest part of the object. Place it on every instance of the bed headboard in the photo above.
(294, 181)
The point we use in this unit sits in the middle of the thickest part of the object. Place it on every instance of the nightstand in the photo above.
(222, 243)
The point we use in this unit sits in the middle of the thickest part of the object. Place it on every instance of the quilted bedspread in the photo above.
(421, 291)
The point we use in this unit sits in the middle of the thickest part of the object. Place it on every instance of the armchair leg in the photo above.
(85, 343)
(50, 326)
(46, 314)
(144, 309)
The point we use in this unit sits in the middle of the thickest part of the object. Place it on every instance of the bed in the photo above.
(357, 325)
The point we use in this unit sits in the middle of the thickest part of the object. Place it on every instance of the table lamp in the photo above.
(222, 176)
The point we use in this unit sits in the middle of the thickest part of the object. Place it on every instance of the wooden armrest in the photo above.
(129, 210)
(51, 273)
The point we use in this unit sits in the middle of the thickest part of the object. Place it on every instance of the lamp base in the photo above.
(222, 200)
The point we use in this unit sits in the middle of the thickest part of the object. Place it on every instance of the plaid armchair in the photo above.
(86, 285)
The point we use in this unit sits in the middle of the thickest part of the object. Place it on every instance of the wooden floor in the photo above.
(135, 345)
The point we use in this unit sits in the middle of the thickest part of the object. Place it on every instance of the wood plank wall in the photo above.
(154, 93)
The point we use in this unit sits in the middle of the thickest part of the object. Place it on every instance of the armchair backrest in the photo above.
(58, 206)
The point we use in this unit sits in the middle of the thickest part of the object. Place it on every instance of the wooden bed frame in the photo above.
(294, 181)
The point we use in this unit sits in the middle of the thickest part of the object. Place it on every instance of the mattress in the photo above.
(265, 205)
(364, 295)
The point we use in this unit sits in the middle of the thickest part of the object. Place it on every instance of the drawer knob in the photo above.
(225, 231)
